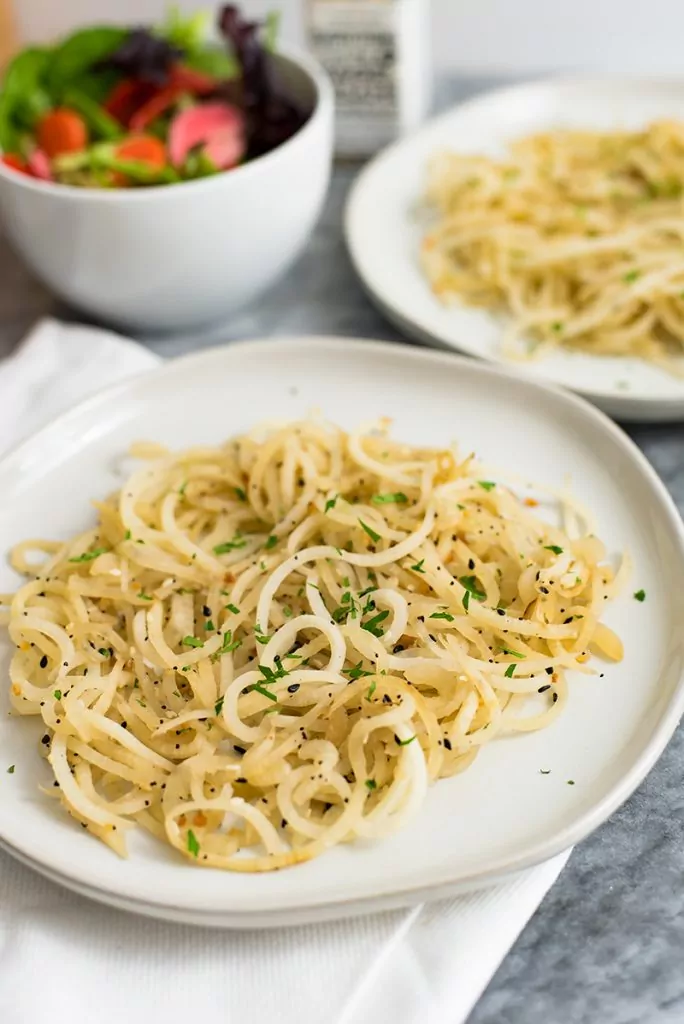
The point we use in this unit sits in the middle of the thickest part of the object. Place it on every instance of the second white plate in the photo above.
(383, 235)
(499, 816)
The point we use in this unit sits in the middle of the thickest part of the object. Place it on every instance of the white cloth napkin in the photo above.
(65, 959)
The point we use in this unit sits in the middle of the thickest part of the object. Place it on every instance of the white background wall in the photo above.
(473, 36)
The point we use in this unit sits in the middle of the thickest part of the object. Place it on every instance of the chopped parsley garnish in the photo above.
(88, 556)
(261, 638)
(631, 276)
(510, 670)
(127, 535)
(371, 783)
(260, 688)
(372, 625)
(209, 625)
(466, 600)
(192, 641)
(241, 494)
(106, 652)
(181, 489)
(486, 485)
(557, 326)
(640, 595)
(218, 706)
(513, 654)
(345, 581)
(442, 615)
(230, 545)
(331, 502)
(375, 537)
(371, 689)
(404, 743)
(367, 591)
(227, 645)
(418, 567)
(271, 674)
(10, 770)
(57, 694)
(553, 547)
(233, 608)
(287, 611)
(357, 672)
(398, 498)
(571, 782)
(341, 613)
(270, 543)
(469, 584)
(193, 845)
(145, 597)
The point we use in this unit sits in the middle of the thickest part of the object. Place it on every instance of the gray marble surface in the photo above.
(607, 944)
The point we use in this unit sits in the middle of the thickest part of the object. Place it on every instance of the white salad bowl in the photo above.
(174, 256)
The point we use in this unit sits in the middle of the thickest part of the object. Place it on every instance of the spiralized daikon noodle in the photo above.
(265, 649)
(579, 235)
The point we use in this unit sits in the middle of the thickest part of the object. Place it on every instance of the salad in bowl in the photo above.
(112, 107)
(156, 180)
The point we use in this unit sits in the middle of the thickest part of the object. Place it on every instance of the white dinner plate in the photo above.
(383, 232)
(499, 816)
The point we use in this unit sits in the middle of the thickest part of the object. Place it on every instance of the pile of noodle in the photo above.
(578, 236)
(267, 648)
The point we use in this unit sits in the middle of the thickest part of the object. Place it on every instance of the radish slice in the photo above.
(225, 148)
(39, 165)
(218, 125)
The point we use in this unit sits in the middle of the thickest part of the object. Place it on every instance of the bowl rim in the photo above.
(323, 102)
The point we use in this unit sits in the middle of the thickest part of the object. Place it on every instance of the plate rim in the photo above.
(628, 407)
(536, 852)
